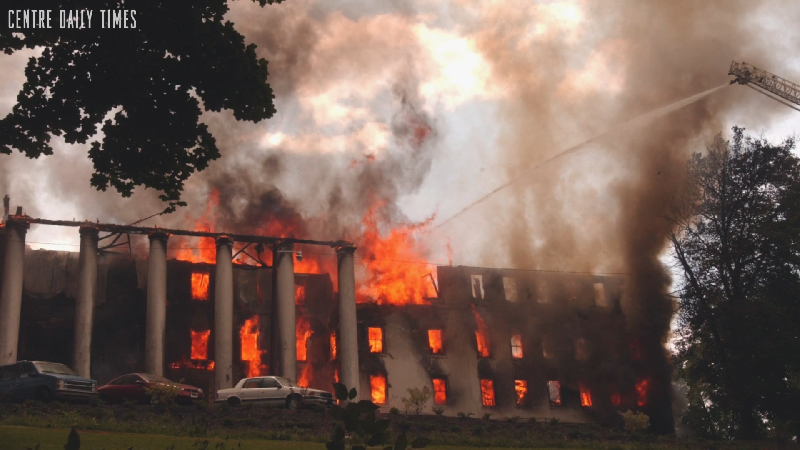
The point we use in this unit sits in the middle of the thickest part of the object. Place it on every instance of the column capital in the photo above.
(20, 225)
(223, 240)
(158, 236)
(284, 247)
(347, 249)
(89, 230)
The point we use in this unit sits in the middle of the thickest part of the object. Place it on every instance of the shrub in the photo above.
(394, 411)
(635, 422)
(554, 421)
(512, 419)
(162, 394)
(417, 399)
(464, 415)
(438, 411)
(487, 416)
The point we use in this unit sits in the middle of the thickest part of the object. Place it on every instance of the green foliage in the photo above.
(554, 421)
(417, 399)
(635, 422)
(360, 427)
(513, 419)
(394, 411)
(438, 411)
(151, 82)
(487, 416)
(735, 242)
(163, 395)
(464, 415)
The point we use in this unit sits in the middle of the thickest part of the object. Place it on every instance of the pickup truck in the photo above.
(272, 391)
(44, 381)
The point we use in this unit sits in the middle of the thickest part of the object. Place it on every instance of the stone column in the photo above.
(348, 339)
(287, 325)
(11, 294)
(223, 315)
(156, 304)
(84, 304)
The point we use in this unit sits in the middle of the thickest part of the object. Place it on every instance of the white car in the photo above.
(273, 391)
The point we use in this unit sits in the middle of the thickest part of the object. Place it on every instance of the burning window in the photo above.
(435, 341)
(477, 286)
(200, 344)
(581, 354)
(481, 335)
(586, 396)
(200, 286)
(375, 339)
(510, 288)
(521, 387)
(302, 334)
(516, 346)
(554, 389)
(616, 399)
(250, 352)
(377, 383)
(600, 295)
(641, 392)
(487, 392)
(439, 391)
(333, 346)
(299, 294)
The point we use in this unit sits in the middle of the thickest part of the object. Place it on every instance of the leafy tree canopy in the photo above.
(147, 80)
(737, 244)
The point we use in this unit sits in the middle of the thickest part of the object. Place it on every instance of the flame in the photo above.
(516, 346)
(487, 392)
(586, 396)
(554, 388)
(435, 341)
(299, 294)
(200, 286)
(641, 391)
(250, 351)
(197, 364)
(481, 335)
(205, 251)
(335, 374)
(302, 333)
(200, 344)
(306, 376)
(439, 391)
(333, 346)
(378, 384)
(375, 340)
(396, 273)
(521, 387)
(616, 399)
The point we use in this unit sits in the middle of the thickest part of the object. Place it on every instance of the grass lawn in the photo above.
(22, 438)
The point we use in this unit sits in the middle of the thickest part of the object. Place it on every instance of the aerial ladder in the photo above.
(772, 86)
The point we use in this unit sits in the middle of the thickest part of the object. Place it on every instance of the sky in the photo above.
(502, 85)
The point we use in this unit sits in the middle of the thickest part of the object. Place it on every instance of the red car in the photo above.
(133, 386)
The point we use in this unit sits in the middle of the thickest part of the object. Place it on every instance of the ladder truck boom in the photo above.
(768, 84)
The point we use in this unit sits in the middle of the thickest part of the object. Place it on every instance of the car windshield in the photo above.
(151, 378)
(54, 368)
(286, 382)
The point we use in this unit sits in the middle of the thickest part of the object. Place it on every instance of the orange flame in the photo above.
(205, 251)
(439, 391)
(487, 392)
(200, 344)
(481, 335)
(521, 387)
(616, 399)
(302, 333)
(333, 346)
(586, 396)
(250, 352)
(435, 341)
(641, 391)
(516, 346)
(299, 294)
(197, 364)
(375, 340)
(200, 286)
(378, 384)
(335, 374)
(306, 376)
(396, 273)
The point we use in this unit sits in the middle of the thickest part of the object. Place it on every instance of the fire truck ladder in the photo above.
(772, 86)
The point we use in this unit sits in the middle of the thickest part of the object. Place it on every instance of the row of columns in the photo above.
(11, 302)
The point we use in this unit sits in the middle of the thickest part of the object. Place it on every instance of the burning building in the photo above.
(510, 342)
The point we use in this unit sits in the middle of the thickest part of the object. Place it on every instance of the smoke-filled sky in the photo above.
(423, 106)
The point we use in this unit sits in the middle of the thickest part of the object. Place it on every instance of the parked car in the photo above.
(273, 391)
(134, 386)
(40, 380)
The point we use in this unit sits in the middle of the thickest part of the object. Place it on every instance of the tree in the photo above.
(736, 243)
(145, 84)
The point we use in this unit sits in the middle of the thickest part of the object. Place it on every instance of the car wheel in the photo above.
(292, 402)
(44, 395)
(233, 401)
